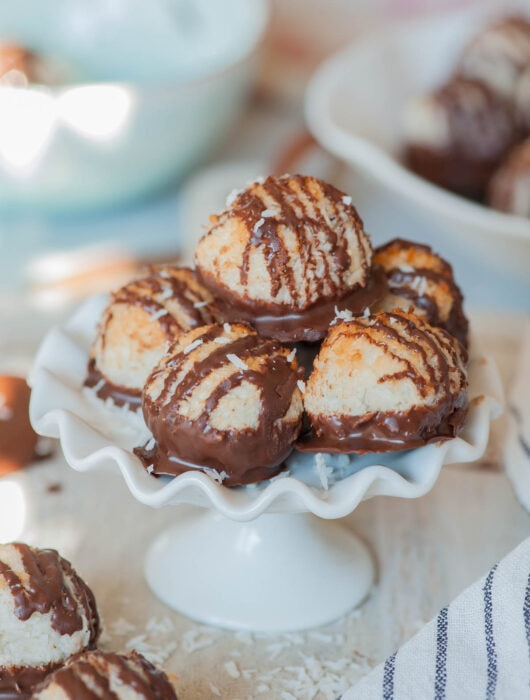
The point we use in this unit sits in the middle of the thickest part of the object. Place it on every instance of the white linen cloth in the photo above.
(517, 444)
(477, 647)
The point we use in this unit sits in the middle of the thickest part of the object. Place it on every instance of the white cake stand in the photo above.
(295, 566)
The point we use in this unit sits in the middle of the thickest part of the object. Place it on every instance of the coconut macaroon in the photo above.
(421, 279)
(142, 319)
(498, 55)
(107, 676)
(386, 382)
(47, 613)
(509, 188)
(284, 252)
(225, 399)
(456, 135)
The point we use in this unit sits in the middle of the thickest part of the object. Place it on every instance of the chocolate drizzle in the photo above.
(54, 586)
(49, 584)
(246, 455)
(305, 242)
(404, 283)
(158, 293)
(383, 431)
(311, 324)
(88, 677)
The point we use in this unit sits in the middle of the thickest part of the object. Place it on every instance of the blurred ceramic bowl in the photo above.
(354, 104)
(138, 94)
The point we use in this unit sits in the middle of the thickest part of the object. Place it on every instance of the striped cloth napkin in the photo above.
(477, 647)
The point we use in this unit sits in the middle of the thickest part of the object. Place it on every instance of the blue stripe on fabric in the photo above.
(440, 673)
(388, 677)
(491, 651)
(526, 614)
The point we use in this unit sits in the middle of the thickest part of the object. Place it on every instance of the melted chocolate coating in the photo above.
(479, 139)
(147, 681)
(248, 207)
(385, 431)
(121, 395)
(45, 591)
(248, 455)
(311, 324)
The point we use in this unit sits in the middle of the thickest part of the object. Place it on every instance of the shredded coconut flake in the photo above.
(197, 638)
(158, 314)
(237, 361)
(200, 304)
(323, 470)
(166, 294)
(346, 200)
(232, 670)
(221, 340)
(217, 476)
(406, 268)
(267, 213)
(150, 469)
(291, 355)
(121, 627)
(301, 385)
(259, 223)
(366, 312)
(189, 348)
(215, 690)
(150, 444)
(226, 327)
(342, 315)
(165, 273)
(233, 195)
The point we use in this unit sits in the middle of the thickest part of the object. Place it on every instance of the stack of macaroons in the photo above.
(48, 617)
(459, 135)
(224, 393)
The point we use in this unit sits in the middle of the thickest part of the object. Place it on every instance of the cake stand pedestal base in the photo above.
(273, 574)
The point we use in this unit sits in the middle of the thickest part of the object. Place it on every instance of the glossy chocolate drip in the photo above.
(18, 682)
(47, 588)
(87, 677)
(297, 208)
(311, 324)
(121, 395)
(383, 431)
(245, 455)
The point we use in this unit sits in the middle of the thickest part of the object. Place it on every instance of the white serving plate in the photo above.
(224, 565)
(354, 104)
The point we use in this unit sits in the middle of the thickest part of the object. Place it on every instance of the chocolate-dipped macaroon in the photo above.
(509, 188)
(107, 676)
(385, 382)
(47, 613)
(498, 55)
(141, 321)
(284, 253)
(223, 398)
(421, 279)
(456, 135)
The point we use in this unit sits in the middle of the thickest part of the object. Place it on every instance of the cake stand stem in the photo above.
(276, 573)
